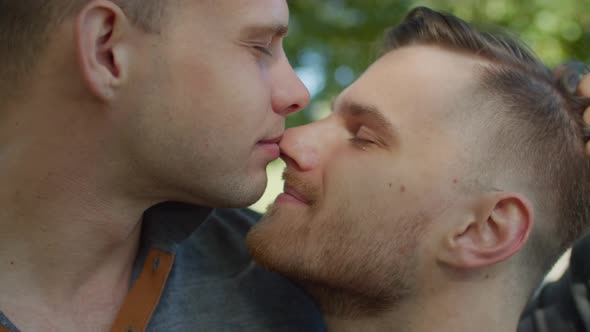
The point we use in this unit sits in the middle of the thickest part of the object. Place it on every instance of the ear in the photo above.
(498, 228)
(101, 28)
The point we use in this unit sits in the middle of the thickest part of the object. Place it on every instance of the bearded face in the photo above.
(364, 185)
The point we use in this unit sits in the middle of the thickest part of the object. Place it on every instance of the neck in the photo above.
(482, 309)
(70, 230)
(61, 244)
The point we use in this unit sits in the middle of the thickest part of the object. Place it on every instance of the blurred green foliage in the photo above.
(331, 42)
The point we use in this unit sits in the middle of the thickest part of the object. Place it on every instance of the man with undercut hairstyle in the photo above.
(109, 107)
(450, 177)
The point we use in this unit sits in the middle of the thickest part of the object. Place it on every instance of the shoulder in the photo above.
(218, 245)
(216, 286)
(231, 224)
(239, 220)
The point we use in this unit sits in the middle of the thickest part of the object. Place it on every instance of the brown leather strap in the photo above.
(4, 329)
(144, 296)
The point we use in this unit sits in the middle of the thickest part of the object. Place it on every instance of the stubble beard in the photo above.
(350, 273)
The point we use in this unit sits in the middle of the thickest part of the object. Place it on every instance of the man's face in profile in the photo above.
(366, 186)
(210, 104)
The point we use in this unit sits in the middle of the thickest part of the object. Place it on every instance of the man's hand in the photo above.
(584, 90)
(575, 78)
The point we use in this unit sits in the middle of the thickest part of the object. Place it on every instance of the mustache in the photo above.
(303, 188)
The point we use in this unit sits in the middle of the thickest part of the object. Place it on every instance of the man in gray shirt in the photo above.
(110, 107)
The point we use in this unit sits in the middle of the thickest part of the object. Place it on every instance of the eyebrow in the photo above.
(372, 115)
(274, 29)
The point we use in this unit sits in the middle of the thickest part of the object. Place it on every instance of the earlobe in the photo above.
(102, 53)
(498, 228)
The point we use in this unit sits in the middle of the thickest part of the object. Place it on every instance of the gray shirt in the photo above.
(214, 285)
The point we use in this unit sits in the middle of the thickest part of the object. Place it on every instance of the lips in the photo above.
(271, 146)
(295, 194)
(275, 140)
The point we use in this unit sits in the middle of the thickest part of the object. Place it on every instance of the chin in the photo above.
(243, 195)
(278, 243)
(254, 187)
(226, 193)
(264, 246)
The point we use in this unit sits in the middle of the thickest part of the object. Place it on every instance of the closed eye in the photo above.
(363, 138)
(263, 49)
(364, 133)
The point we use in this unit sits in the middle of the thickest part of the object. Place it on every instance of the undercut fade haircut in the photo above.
(26, 27)
(539, 132)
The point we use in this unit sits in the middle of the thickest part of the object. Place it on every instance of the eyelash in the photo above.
(363, 144)
(264, 50)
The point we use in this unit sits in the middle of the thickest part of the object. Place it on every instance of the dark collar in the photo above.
(167, 224)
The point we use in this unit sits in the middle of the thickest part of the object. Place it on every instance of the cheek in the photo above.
(236, 84)
(375, 187)
(364, 176)
(217, 107)
(243, 98)
(359, 187)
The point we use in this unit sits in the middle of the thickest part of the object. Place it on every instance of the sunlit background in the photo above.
(331, 42)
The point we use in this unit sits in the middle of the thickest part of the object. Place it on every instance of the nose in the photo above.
(289, 95)
(304, 148)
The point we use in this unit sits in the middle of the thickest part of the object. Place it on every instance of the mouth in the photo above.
(271, 146)
(275, 140)
(291, 195)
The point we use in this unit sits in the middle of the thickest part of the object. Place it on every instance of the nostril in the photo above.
(291, 109)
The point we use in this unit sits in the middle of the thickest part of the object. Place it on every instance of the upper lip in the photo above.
(293, 192)
(275, 140)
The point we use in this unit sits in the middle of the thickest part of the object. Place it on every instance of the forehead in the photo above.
(244, 11)
(422, 83)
